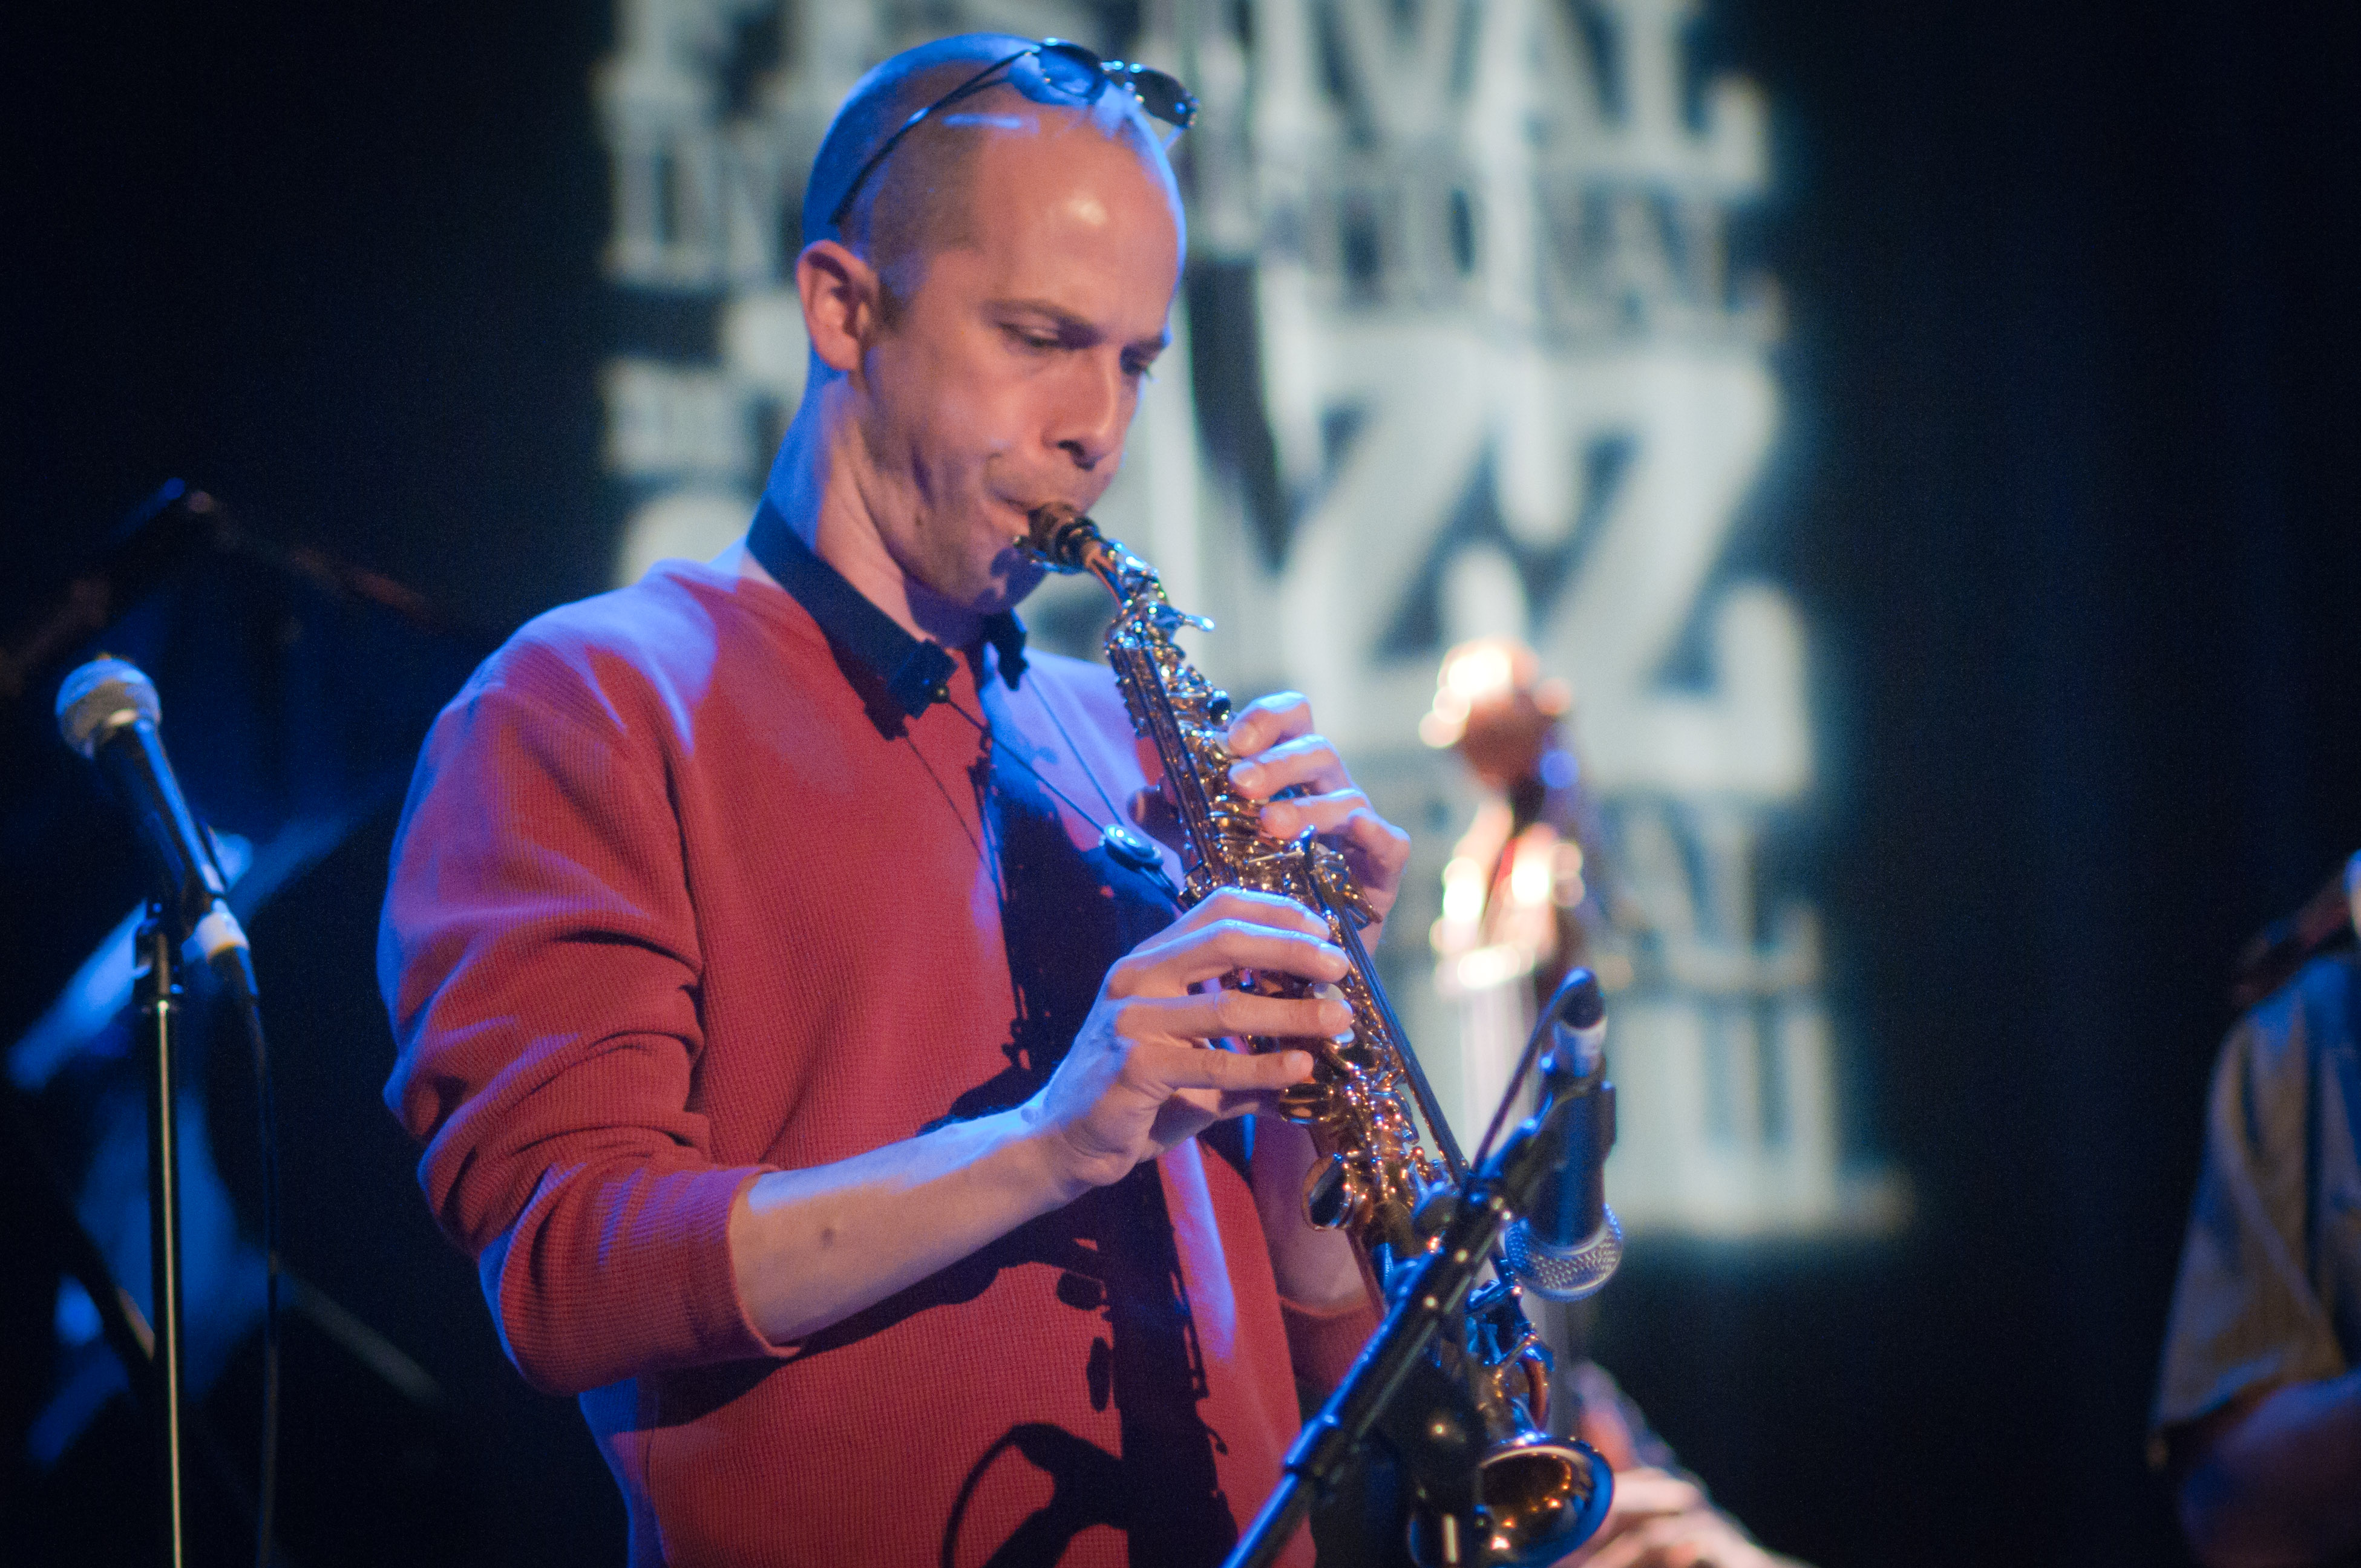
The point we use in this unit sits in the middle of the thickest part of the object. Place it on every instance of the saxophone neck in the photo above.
(1064, 540)
(1059, 537)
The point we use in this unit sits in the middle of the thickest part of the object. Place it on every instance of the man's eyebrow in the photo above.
(1072, 326)
(1067, 324)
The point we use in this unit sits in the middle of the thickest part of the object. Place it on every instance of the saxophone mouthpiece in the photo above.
(1059, 537)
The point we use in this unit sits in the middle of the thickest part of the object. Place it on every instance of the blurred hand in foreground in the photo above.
(1658, 1520)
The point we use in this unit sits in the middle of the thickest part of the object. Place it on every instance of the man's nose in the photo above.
(1088, 425)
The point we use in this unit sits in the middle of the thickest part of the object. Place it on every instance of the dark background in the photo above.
(2068, 499)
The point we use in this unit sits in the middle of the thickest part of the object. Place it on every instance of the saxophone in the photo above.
(1375, 1173)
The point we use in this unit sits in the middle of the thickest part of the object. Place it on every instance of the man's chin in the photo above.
(1002, 584)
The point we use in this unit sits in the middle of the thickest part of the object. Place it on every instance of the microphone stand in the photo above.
(1395, 1387)
(158, 1000)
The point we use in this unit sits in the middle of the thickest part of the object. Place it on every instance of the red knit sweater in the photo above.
(668, 910)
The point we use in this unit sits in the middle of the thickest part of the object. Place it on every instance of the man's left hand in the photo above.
(1277, 750)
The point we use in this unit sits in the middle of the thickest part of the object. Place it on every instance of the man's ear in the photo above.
(843, 297)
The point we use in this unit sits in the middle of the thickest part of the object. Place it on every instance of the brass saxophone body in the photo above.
(1375, 1169)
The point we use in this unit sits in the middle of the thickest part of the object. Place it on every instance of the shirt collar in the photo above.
(916, 670)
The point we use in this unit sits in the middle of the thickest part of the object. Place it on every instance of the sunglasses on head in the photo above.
(1068, 69)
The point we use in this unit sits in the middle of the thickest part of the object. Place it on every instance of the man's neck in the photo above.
(846, 537)
(815, 488)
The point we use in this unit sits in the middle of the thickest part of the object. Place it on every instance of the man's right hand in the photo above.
(1141, 1076)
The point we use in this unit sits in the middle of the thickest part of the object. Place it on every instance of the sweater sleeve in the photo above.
(539, 956)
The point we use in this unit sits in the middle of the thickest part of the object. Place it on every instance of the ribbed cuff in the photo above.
(714, 1291)
(654, 1289)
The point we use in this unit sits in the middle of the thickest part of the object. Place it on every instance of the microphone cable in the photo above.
(231, 967)
(267, 1129)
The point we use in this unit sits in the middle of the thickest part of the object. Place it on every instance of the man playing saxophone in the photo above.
(802, 1044)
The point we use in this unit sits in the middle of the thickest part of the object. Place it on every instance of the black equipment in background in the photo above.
(162, 536)
(300, 686)
(172, 530)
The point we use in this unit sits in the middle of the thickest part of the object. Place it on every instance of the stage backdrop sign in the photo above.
(1463, 350)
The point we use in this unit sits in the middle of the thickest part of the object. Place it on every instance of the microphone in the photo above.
(1568, 1243)
(107, 711)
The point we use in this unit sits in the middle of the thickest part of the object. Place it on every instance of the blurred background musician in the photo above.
(2258, 1405)
(1518, 914)
(1513, 919)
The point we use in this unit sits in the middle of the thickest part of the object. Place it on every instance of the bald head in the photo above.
(921, 197)
(981, 324)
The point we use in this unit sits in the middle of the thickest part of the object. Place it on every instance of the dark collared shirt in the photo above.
(914, 671)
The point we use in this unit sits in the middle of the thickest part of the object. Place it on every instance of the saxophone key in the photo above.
(1335, 1195)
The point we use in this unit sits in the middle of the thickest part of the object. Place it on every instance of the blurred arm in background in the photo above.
(2258, 1406)
(2274, 1478)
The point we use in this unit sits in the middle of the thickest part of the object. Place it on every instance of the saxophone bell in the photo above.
(1543, 1498)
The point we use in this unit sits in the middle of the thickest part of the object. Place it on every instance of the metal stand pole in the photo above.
(159, 1003)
